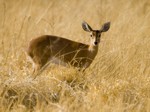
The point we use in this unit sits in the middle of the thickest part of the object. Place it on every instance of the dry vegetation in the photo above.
(117, 81)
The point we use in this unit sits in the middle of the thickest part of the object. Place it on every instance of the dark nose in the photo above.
(95, 43)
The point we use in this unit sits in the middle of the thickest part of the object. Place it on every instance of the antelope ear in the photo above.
(105, 27)
(86, 27)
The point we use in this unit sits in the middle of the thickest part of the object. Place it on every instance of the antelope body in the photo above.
(49, 48)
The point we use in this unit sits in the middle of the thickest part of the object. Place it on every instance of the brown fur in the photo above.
(49, 48)
(44, 48)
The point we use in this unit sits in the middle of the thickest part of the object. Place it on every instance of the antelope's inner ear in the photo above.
(105, 27)
(86, 27)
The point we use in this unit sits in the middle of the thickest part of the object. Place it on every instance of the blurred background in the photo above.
(118, 79)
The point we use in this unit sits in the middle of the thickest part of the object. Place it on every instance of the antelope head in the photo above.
(95, 34)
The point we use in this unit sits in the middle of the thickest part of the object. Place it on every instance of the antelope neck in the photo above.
(93, 48)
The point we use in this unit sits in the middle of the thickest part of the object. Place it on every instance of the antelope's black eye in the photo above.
(91, 35)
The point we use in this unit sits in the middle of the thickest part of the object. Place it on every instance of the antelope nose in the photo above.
(95, 43)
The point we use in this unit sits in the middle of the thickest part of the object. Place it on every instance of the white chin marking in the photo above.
(95, 44)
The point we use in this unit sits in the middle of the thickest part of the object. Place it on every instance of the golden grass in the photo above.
(118, 79)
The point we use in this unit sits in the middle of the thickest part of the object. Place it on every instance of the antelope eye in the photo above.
(91, 35)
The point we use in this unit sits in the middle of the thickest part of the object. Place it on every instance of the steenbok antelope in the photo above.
(49, 48)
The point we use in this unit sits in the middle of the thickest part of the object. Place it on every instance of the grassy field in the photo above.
(118, 79)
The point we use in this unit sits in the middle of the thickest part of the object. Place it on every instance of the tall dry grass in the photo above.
(118, 79)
